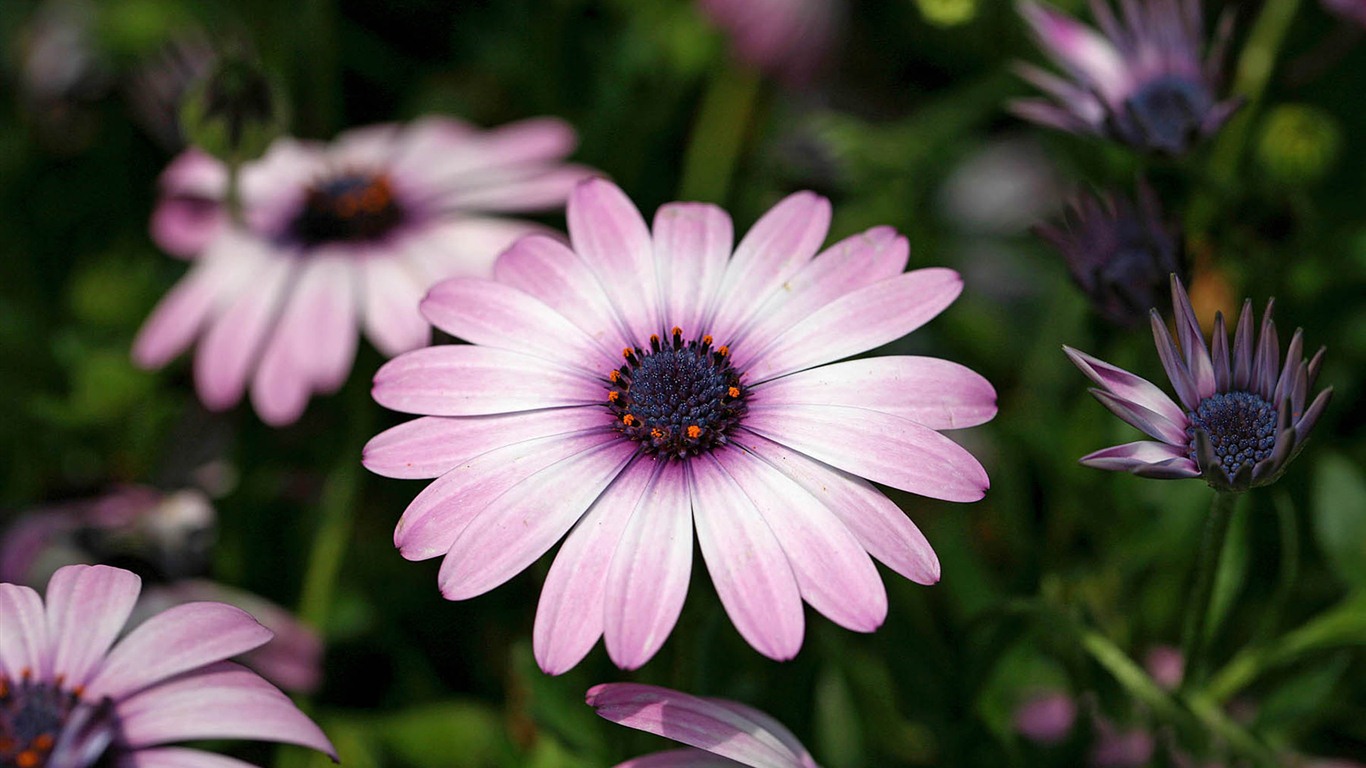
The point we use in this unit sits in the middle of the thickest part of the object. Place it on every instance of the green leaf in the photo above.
(1340, 517)
(839, 729)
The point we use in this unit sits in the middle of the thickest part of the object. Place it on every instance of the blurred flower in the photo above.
(1118, 748)
(720, 731)
(1165, 665)
(62, 72)
(1119, 253)
(1046, 718)
(1351, 10)
(335, 237)
(640, 382)
(1002, 188)
(789, 39)
(67, 700)
(1299, 143)
(1240, 421)
(1142, 83)
(166, 536)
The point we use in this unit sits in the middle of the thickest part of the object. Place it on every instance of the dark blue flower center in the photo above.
(353, 207)
(1241, 427)
(39, 720)
(678, 399)
(1169, 111)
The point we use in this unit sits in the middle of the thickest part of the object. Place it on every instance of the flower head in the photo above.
(1351, 10)
(786, 38)
(642, 385)
(1119, 253)
(714, 728)
(1241, 417)
(1143, 82)
(335, 237)
(67, 700)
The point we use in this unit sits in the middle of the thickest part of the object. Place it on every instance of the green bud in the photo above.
(235, 112)
(1298, 143)
(947, 13)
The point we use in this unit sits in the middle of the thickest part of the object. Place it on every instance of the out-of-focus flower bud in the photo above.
(236, 111)
(1046, 718)
(1299, 143)
(948, 13)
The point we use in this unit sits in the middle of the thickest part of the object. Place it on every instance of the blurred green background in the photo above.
(905, 127)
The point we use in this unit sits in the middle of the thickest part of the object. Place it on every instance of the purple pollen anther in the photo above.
(1241, 427)
(678, 399)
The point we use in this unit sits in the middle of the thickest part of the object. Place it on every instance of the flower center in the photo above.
(39, 720)
(678, 399)
(1241, 427)
(1169, 111)
(352, 207)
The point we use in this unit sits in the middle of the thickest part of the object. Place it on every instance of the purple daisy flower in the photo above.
(642, 385)
(1242, 416)
(789, 39)
(1119, 252)
(69, 700)
(1142, 82)
(335, 237)
(722, 733)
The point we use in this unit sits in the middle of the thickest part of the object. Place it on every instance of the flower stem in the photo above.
(1196, 629)
(718, 135)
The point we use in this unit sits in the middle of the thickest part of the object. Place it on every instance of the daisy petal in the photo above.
(570, 614)
(431, 446)
(648, 577)
(23, 633)
(859, 321)
(548, 270)
(234, 340)
(611, 237)
(518, 527)
(390, 292)
(834, 573)
(217, 278)
(1129, 456)
(747, 564)
(691, 244)
(177, 640)
(224, 701)
(881, 527)
(929, 391)
(883, 448)
(1193, 346)
(177, 757)
(1141, 418)
(87, 606)
(1127, 386)
(477, 381)
(679, 758)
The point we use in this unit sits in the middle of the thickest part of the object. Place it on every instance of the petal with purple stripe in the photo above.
(460, 380)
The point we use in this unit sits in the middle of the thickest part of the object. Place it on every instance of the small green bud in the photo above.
(1298, 143)
(947, 13)
(235, 112)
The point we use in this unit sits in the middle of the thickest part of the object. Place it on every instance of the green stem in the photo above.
(321, 75)
(1253, 72)
(718, 135)
(1196, 631)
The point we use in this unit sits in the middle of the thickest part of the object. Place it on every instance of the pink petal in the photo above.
(848, 265)
(523, 189)
(215, 280)
(932, 392)
(833, 571)
(1143, 419)
(391, 289)
(693, 721)
(610, 236)
(233, 343)
(179, 639)
(779, 244)
(648, 579)
(87, 606)
(494, 314)
(464, 247)
(879, 524)
(692, 242)
(370, 146)
(679, 758)
(858, 321)
(883, 448)
(313, 344)
(459, 380)
(444, 152)
(1130, 456)
(1192, 341)
(439, 514)
(184, 227)
(569, 616)
(434, 445)
(770, 724)
(1078, 47)
(1126, 385)
(225, 701)
(748, 567)
(194, 173)
(24, 642)
(177, 757)
(547, 269)
(518, 527)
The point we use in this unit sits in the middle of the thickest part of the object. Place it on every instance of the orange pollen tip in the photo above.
(26, 759)
(706, 340)
(694, 431)
(724, 350)
(613, 395)
(656, 433)
(78, 691)
(733, 391)
(44, 742)
(654, 337)
(676, 331)
(628, 420)
(626, 353)
(615, 376)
